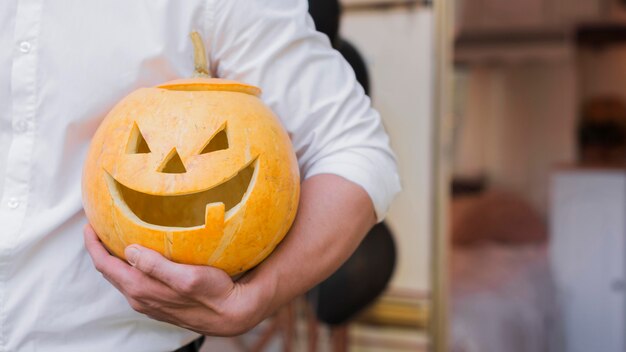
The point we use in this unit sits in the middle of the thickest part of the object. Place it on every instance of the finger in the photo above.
(116, 271)
(153, 295)
(99, 255)
(186, 279)
(155, 265)
(131, 282)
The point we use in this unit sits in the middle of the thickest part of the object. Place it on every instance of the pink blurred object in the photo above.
(503, 299)
(495, 216)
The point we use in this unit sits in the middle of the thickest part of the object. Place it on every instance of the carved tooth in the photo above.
(214, 215)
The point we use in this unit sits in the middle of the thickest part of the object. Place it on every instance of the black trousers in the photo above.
(194, 346)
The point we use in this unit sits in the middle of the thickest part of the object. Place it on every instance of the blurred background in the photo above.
(538, 169)
(508, 119)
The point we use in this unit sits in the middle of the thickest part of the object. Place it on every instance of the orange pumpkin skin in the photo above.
(227, 207)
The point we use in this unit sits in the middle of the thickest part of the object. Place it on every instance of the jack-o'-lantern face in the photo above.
(178, 211)
(199, 170)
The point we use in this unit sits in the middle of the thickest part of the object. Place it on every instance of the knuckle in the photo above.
(186, 287)
(136, 305)
(191, 283)
(106, 277)
(99, 266)
(134, 292)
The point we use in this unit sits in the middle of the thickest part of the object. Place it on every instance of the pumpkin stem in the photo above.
(201, 66)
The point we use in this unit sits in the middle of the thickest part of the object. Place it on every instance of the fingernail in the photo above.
(132, 254)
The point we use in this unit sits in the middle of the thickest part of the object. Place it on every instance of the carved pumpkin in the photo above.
(199, 170)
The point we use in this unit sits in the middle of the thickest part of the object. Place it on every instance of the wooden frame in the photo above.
(441, 139)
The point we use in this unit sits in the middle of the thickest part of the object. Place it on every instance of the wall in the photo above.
(397, 46)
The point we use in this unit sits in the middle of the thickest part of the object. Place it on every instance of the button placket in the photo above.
(24, 98)
(20, 126)
(20, 158)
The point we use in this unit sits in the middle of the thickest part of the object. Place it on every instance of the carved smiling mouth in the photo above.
(184, 211)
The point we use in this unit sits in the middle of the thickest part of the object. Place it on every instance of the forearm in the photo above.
(334, 216)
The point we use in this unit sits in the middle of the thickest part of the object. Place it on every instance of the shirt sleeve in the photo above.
(333, 128)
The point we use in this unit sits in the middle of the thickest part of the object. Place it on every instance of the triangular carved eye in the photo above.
(218, 142)
(137, 143)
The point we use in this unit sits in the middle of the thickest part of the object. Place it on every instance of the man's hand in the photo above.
(333, 216)
(200, 298)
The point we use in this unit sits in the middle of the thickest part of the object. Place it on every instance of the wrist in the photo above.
(264, 286)
(258, 290)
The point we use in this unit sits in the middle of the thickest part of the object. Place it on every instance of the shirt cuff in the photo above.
(378, 176)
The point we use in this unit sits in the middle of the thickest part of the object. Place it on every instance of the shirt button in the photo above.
(13, 203)
(24, 47)
(20, 126)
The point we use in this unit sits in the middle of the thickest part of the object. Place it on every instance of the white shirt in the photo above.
(65, 63)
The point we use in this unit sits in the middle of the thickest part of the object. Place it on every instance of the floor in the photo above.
(362, 339)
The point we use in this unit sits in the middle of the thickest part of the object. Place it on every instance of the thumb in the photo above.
(187, 279)
(153, 264)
